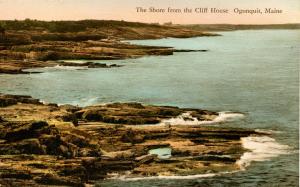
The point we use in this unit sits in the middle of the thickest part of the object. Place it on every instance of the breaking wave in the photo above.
(267, 131)
(57, 68)
(86, 101)
(187, 119)
(206, 175)
(262, 148)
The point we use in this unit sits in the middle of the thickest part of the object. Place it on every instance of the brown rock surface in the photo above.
(39, 145)
(42, 47)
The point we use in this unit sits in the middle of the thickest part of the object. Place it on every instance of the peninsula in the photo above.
(31, 43)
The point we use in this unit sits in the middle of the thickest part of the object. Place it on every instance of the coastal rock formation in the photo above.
(136, 113)
(15, 62)
(88, 64)
(42, 46)
(47, 144)
(7, 100)
(18, 66)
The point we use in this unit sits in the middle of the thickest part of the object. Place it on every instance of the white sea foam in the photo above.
(267, 131)
(228, 116)
(187, 119)
(75, 61)
(262, 148)
(183, 119)
(126, 178)
(57, 68)
(86, 101)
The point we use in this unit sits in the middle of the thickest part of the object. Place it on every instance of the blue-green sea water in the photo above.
(252, 72)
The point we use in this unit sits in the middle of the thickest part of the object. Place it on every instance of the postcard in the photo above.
(149, 93)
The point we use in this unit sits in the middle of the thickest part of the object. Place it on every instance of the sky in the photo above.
(126, 10)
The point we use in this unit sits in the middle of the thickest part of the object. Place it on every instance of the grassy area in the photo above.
(67, 26)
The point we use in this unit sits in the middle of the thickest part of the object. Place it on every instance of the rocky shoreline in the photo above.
(10, 65)
(21, 67)
(46, 144)
(35, 47)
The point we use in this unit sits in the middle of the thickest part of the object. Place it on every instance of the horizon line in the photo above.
(285, 23)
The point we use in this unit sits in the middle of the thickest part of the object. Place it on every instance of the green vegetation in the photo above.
(67, 26)
(84, 25)
(230, 27)
(68, 37)
(2, 30)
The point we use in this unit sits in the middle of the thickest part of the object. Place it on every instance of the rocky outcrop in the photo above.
(18, 66)
(38, 137)
(14, 63)
(36, 48)
(55, 156)
(88, 64)
(135, 113)
(72, 146)
(8, 66)
(7, 100)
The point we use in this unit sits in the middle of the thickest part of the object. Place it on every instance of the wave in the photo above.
(57, 68)
(206, 175)
(262, 148)
(86, 101)
(268, 131)
(187, 119)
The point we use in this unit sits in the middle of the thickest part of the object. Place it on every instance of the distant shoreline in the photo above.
(233, 27)
(32, 43)
(208, 27)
